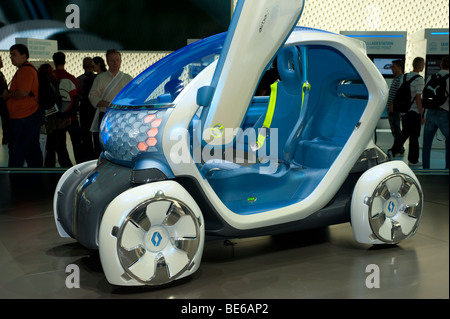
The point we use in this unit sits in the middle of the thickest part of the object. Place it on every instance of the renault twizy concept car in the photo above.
(199, 147)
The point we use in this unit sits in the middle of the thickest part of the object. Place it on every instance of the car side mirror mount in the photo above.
(205, 95)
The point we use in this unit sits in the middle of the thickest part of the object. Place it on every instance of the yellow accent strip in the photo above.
(269, 113)
(260, 141)
(307, 86)
(272, 103)
(271, 109)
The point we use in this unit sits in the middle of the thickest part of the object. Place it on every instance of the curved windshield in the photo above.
(161, 83)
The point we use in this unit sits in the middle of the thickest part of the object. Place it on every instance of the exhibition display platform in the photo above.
(323, 263)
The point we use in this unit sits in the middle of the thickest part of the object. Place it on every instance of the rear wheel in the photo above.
(395, 208)
(387, 204)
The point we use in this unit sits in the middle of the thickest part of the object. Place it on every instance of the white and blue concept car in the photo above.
(263, 130)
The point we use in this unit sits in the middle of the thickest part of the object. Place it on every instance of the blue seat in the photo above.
(327, 130)
(319, 152)
(287, 119)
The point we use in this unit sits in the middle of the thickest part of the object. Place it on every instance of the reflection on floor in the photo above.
(324, 263)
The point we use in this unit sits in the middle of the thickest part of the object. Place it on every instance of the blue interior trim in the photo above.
(335, 104)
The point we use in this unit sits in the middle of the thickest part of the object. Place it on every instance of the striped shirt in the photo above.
(395, 85)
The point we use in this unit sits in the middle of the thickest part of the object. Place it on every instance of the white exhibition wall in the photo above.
(413, 16)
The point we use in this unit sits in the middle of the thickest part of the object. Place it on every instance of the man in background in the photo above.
(73, 127)
(3, 110)
(398, 68)
(86, 109)
(437, 119)
(106, 86)
(414, 118)
(25, 116)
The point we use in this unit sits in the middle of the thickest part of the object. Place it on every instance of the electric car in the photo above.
(265, 129)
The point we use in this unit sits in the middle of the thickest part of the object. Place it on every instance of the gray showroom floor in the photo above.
(325, 263)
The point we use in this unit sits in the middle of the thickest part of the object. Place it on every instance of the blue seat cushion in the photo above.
(236, 185)
(318, 153)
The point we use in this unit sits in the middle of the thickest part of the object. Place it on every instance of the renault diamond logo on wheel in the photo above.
(391, 207)
(156, 239)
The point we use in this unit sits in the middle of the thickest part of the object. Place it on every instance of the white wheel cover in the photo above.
(151, 235)
(395, 208)
(387, 204)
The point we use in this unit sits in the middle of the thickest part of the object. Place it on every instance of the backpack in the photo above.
(402, 100)
(49, 98)
(435, 92)
(68, 92)
(55, 99)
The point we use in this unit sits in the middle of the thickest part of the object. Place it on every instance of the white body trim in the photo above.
(353, 50)
(262, 28)
(121, 207)
(364, 189)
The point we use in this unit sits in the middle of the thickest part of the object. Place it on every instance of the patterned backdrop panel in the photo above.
(412, 16)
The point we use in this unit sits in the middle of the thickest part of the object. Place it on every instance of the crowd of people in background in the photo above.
(407, 125)
(24, 120)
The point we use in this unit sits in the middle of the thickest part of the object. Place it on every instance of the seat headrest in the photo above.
(288, 63)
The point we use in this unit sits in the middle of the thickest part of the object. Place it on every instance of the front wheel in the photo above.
(151, 235)
(387, 204)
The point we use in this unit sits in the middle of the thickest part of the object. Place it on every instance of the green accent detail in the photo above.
(251, 199)
(269, 114)
(217, 127)
(272, 104)
(306, 86)
(271, 109)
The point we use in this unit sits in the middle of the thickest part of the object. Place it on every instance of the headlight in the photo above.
(126, 133)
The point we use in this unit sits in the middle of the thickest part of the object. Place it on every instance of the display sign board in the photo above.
(382, 47)
(436, 49)
(39, 49)
(437, 41)
(378, 42)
